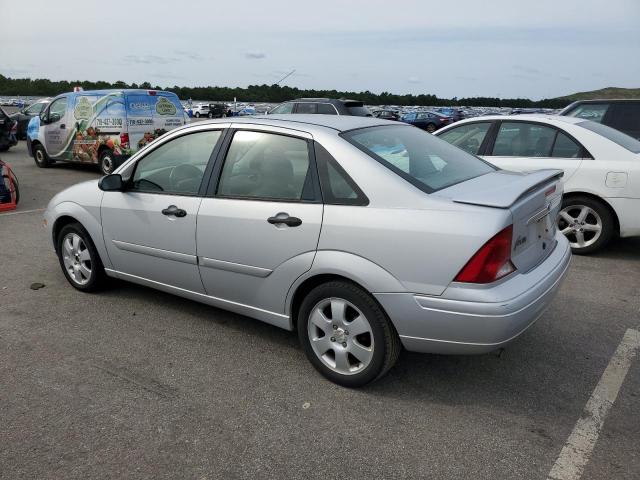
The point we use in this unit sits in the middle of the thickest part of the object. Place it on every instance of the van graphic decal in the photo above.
(83, 110)
(165, 107)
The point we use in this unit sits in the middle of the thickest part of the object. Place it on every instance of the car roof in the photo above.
(538, 117)
(607, 100)
(324, 100)
(340, 123)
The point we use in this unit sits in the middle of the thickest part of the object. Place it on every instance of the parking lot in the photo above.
(134, 383)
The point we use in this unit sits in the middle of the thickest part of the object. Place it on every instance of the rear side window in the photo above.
(468, 137)
(304, 108)
(337, 187)
(266, 166)
(523, 139)
(625, 117)
(357, 109)
(589, 111)
(417, 156)
(564, 147)
(326, 109)
(616, 136)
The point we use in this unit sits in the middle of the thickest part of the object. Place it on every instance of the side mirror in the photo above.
(111, 183)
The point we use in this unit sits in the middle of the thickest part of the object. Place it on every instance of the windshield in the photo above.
(616, 136)
(420, 158)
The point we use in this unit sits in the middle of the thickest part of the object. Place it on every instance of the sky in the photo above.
(458, 48)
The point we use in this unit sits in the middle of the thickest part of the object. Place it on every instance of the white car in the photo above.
(601, 168)
(200, 110)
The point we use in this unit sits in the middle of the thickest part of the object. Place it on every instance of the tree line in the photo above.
(266, 93)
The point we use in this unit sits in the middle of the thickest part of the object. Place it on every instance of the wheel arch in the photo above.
(597, 198)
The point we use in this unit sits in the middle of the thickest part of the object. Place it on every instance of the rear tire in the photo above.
(197, 115)
(107, 162)
(40, 156)
(79, 258)
(431, 128)
(587, 223)
(349, 358)
(210, 115)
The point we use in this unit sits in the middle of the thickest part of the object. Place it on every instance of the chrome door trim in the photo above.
(156, 252)
(234, 267)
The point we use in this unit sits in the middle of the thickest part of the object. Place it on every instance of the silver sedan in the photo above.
(363, 235)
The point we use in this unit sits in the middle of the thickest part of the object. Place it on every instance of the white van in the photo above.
(103, 127)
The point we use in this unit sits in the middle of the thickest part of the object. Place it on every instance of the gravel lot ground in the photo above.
(133, 383)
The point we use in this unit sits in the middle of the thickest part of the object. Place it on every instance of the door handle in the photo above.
(175, 211)
(62, 125)
(285, 219)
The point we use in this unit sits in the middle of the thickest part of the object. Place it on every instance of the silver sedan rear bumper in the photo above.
(468, 319)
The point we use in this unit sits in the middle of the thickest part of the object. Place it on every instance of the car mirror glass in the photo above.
(111, 183)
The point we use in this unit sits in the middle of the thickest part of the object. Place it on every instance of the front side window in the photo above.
(57, 109)
(305, 108)
(468, 137)
(176, 166)
(419, 157)
(265, 166)
(283, 108)
(590, 111)
(523, 139)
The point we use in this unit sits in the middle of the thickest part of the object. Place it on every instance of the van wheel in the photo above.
(346, 335)
(41, 157)
(107, 163)
(587, 224)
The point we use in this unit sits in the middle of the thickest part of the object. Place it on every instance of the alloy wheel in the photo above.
(581, 225)
(340, 336)
(76, 258)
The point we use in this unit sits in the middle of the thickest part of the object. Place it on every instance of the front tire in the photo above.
(346, 335)
(107, 162)
(431, 128)
(40, 156)
(587, 223)
(79, 258)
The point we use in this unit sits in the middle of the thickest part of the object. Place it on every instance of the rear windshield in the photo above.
(616, 136)
(420, 158)
(358, 109)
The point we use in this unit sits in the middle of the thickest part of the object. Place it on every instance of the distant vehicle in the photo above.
(623, 115)
(386, 115)
(601, 168)
(323, 106)
(8, 128)
(200, 110)
(217, 110)
(26, 114)
(102, 127)
(454, 113)
(364, 235)
(429, 121)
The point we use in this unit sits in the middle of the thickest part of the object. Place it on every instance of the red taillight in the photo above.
(549, 191)
(491, 262)
(151, 92)
(124, 140)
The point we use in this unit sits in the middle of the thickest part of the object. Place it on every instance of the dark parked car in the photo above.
(26, 114)
(386, 114)
(324, 106)
(217, 110)
(454, 113)
(623, 115)
(429, 121)
(7, 131)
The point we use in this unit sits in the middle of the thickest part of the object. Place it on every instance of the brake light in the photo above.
(491, 262)
(549, 191)
(152, 92)
(124, 140)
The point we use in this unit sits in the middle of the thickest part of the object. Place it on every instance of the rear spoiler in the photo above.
(502, 188)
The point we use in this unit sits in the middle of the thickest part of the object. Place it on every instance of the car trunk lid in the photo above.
(534, 200)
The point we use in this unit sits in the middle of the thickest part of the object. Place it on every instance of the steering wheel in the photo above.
(182, 173)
